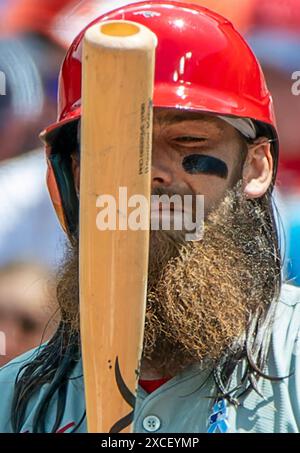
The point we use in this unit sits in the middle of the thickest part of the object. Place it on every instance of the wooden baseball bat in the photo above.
(116, 133)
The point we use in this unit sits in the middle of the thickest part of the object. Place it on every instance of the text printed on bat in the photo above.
(145, 137)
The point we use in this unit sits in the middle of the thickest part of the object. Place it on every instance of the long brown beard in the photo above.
(201, 295)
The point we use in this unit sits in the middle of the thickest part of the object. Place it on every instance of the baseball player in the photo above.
(221, 346)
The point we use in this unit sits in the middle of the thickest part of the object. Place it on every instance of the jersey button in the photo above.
(151, 423)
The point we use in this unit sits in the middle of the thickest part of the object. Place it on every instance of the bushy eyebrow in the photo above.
(176, 118)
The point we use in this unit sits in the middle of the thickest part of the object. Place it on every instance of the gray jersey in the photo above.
(184, 404)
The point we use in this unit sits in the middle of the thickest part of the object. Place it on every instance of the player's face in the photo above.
(200, 154)
(194, 153)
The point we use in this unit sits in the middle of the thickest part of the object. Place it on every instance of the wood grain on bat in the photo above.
(116, 131)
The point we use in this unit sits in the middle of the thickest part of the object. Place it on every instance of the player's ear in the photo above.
(258, 169)
(76, 171)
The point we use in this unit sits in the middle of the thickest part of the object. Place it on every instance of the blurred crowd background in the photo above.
(34, 36)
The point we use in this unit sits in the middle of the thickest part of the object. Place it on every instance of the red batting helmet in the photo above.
(202, 64)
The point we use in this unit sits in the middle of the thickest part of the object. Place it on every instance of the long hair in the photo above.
(258, 334)
(53, 363)
(56, 360)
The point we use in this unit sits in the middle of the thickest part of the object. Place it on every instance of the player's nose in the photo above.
(162, 175)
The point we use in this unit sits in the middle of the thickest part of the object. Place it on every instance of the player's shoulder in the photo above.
(286, 328)
(75, 402)
(288, 309)
(10, 371)
(8, 375)
(289, 295)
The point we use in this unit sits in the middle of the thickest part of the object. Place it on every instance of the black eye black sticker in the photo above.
(199, 163)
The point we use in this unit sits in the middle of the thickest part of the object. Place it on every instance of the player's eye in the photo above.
(189, 139)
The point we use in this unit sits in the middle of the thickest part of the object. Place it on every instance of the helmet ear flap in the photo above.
(55, 195)
(60, 179)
